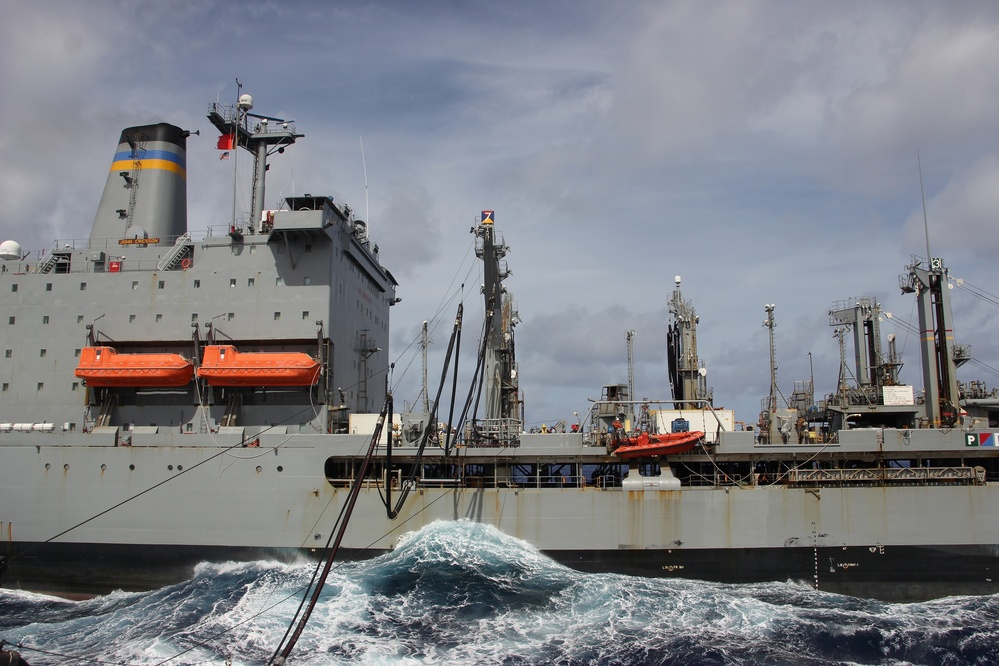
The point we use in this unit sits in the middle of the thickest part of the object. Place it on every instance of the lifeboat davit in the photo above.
(224, 365)
(105, 367)
(644, 444)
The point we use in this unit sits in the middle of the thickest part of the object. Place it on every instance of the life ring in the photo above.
(185, 264)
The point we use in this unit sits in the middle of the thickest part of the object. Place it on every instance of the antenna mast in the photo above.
(630, 337)
(425, 342)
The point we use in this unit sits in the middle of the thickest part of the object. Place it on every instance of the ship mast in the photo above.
(424, 344)
(630, 339)
(500, 420)
(267, 136)
(686, 374)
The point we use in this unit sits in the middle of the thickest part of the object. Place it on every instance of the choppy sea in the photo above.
(463, 593)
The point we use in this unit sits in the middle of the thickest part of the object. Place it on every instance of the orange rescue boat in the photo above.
(644, 444)
(104, 367)
(224, 365)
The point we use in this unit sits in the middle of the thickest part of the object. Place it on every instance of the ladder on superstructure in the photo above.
(175, 254)
(366, 348)
(138, 145)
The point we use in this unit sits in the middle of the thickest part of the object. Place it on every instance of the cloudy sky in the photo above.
(765, 151)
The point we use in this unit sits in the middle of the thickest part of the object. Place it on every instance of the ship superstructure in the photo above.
(300, 280)
(170, 397)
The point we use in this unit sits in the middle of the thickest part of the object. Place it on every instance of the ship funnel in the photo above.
(145, 196)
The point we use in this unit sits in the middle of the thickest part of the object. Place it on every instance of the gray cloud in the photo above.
(764, 150)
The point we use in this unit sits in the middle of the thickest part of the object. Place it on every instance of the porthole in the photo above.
(280, 468)
(170, 467)
(180, 468)
(259, 469)
(131, 467)
(104, 468)
(48, 466)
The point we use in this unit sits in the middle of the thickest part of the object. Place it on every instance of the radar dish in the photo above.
(10, 250)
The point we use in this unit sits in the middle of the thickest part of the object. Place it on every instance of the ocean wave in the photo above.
(464, 593)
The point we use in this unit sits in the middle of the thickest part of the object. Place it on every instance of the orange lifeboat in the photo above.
(224, 365)
(105, 367)
(644, 444)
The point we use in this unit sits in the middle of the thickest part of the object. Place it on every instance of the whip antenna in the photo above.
(922, 195)
(367, 212)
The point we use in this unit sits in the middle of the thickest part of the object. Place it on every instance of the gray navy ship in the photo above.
(169, 398)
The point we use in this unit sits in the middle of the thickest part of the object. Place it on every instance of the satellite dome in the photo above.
(10, 250)
(245, 102)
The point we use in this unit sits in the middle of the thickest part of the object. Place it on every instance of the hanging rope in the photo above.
(281, 654)
(410, 480)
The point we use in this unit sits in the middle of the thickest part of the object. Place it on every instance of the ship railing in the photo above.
(346, 483)
(878, 475)
(439, 483)
(605, 481)
(114, 246)
(493, 432)
(163, 241)
(490, 481)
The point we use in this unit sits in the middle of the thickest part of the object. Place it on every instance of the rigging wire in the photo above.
(429, 428)
(984, 366)
(281, 654)
(977, 292)
(474, 387)
(438, 318)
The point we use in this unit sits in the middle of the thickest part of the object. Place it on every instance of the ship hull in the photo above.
(898, 543)
(898, 573)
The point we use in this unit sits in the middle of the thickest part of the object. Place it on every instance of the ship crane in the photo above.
(937, 342)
